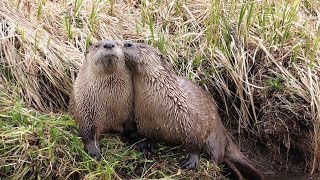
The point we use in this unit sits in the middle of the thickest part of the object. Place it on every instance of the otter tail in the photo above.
(234, 156)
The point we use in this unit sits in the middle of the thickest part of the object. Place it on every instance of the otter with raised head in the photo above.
(175, 110)
(102, 99)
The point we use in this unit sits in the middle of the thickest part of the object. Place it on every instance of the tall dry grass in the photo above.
(259, 59)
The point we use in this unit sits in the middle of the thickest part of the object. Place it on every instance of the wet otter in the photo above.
(102, 100)
(175, 110)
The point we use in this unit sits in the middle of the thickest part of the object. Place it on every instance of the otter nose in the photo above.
(127, 44)
(108, 45)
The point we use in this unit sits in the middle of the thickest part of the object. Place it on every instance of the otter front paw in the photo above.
(94, 153)
(93, 150)
(191, 162)
(147, 147)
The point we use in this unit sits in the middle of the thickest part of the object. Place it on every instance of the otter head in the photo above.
(143, 58)
(105, 57)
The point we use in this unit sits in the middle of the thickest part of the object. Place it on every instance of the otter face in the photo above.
(105, 56)
(142, 57)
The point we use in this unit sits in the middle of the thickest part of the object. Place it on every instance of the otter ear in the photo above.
(166, 64)
(88, 47)
(86, 52)
(162, 57)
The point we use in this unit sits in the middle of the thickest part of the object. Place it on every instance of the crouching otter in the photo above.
(175, 110)
(102, 99)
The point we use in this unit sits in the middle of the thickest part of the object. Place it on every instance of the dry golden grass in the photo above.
(259, 59)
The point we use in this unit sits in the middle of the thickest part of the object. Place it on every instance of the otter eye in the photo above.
(97, 45)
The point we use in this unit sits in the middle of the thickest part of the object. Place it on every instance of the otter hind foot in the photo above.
(192, 161)
(93, 150)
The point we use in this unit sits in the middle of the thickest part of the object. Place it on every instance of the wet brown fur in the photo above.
(102, 94)
(175, 110)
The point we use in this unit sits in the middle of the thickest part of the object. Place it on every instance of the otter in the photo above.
(102, 97)
(177, 111)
